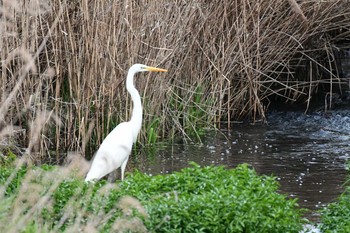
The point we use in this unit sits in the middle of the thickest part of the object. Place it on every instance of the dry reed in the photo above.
(68, 60)
(33, 208)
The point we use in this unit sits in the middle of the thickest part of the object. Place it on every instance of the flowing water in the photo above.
(307, 154)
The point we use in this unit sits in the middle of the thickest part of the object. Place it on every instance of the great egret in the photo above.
(116, 147)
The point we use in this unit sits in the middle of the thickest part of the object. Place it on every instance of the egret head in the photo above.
(141, 68)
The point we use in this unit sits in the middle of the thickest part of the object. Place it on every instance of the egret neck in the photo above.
(136, 118)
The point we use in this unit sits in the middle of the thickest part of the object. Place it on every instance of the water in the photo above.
(307, 154)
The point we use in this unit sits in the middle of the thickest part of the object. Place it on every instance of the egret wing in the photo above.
(114, 150)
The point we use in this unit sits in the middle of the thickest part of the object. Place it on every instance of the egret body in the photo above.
(116, 147)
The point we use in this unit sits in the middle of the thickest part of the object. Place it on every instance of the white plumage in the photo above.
(116, 147)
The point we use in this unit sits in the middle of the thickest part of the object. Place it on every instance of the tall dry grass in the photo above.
(64, 65)
(56, 201)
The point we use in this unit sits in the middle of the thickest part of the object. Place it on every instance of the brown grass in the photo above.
(32, 208)
(64, 65)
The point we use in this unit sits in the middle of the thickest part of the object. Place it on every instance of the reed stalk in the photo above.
(64, 65)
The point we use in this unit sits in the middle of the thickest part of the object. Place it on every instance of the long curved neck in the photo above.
(136, 118)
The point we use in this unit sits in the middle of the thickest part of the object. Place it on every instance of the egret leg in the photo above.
(112, 177)
(123, 168)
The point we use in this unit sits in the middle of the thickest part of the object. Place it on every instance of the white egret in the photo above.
(116, 147)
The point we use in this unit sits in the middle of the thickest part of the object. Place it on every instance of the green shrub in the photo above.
(11, 177)
(335, 217)
(196, 199)
(214, 199)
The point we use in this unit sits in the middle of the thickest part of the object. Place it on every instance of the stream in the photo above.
(306, 152)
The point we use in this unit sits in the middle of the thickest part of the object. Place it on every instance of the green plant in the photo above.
(196, 199)
(11, 178)
(335, 217)
(192, 112)
(214, 199)
(153, 131)
(8, 159)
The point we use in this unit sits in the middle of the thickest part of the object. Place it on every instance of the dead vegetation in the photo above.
(31, 202)
(63, 65)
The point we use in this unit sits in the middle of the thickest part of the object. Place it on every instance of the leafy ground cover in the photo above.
(335, 217)
(196, 199)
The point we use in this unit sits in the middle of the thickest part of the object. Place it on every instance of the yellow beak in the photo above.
(150, 68)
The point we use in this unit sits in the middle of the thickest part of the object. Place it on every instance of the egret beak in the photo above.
(150, 68)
